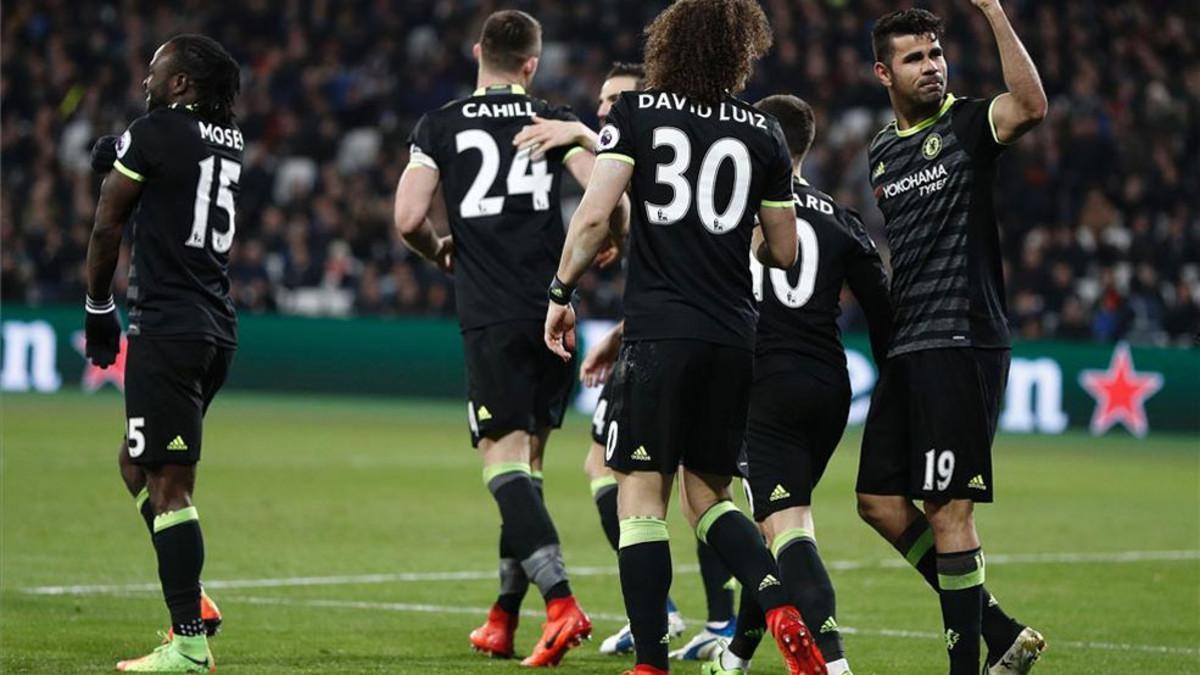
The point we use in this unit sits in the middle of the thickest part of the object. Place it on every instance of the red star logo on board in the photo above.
(95, 377)
(1120, 393)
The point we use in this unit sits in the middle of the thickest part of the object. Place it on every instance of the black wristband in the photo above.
(560, 293)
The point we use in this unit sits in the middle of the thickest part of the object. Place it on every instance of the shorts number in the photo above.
(944, 464)
(790, 296)
(231, 172)
(536, 183)
(134, 436)
(671, 175)
(471, 421)
(611, 445)
(598, 416)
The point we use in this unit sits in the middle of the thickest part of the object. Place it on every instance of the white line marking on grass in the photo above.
(620, 618)
(1114, 557)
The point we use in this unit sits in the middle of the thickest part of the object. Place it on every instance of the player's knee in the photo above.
(951, 517)
(873, 510)
(593, 463)
(131, 474)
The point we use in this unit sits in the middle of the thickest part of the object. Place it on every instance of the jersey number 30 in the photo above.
(229, 173)
(671, 175)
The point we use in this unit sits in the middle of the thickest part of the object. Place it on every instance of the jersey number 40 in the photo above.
(228, 175)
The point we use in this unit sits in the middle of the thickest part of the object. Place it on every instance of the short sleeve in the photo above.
(422, 151)
(973, 126)
(778, 186)
(615, 140)
(139, 150)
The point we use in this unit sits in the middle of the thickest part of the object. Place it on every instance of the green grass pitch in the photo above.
(1094, 541)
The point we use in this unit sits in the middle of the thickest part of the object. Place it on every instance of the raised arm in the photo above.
(1024, 105)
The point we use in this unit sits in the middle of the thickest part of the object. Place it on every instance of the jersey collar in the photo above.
(928, 121)
(500, 89)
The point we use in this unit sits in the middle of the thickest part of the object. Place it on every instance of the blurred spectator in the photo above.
(1098, 206)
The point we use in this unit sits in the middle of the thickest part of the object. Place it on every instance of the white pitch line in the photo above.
(1115, 557)
(620, 618)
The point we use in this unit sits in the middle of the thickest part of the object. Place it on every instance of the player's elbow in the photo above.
(1034, 108)
(408, 220)
(783, 254)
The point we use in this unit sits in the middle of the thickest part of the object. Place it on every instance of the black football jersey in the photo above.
(933, 182)
(799, 307)
(503, 209)
(183, 226)
(700, 174)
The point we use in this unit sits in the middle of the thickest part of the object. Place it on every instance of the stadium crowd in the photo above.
(1098, 206)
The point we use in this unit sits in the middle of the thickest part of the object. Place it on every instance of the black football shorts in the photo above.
(679, 401)
(797, 416)
(603, 413)
(169, 385)
(932, 421)
(514, 382)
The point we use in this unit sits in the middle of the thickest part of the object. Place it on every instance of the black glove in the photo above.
(102, 331)
(104, 153)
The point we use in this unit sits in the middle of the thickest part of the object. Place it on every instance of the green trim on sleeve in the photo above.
(141, 498)
(779, 205)
(992, 123)
(644, 530)
(788, 536)
(600, 483)
(920, 547)
(128, 172)
(172, 518)
(490, 472)
(928, 121)
(617, 156)
(710, 516)
(573, 151)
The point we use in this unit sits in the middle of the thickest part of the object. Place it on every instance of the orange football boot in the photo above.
(795, 642)
(495, 636)
(566, 627)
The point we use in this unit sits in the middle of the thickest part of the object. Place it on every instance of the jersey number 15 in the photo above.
(229, 173)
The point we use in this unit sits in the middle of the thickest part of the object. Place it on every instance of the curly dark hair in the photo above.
(705, 49)
(215, 74)
(915, 21)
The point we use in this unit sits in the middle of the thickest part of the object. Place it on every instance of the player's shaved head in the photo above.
(510, 38)
(795, 115)
(705, 49)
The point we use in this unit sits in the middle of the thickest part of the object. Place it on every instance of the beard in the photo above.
(154, 101)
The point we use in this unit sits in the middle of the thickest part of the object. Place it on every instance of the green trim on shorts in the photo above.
(600, 483)
(919, 548)
(788, 536)
(141, 498)
(490, 472)
(710, 516)
(642, 530)
(172, 518)
(537, 475)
